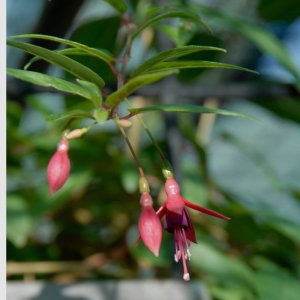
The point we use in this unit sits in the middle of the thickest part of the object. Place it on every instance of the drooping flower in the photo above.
(59, 167)
(149, 225)
(178, 222)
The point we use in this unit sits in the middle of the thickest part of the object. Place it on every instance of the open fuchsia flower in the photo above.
(178, 222)
(59, 167)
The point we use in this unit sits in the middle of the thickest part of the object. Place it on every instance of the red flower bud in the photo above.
(59, 167)
(149, 225)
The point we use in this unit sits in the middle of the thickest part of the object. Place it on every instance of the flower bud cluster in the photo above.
(173, 210)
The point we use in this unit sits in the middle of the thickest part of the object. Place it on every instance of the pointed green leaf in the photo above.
(73, 114)
(172, 53)
(62, 61)
(93, 91)
(67, 52)
(119, 5)
(154, 10)
(59, 84)
(196, 64)
(187, 108)
(171, 14)
(84, 48)
(132, 85)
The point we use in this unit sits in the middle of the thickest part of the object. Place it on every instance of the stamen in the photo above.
(186, 277)
(187, 242)
(188, 254)
(177, 250)
(176, 258)
(182, 250)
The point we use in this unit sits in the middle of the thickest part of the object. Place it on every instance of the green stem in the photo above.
(120, 81)
(165, 162)
(140, 169)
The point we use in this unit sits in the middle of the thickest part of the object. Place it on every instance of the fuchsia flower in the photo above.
(59, 167)
(149, 225)
(178, 222)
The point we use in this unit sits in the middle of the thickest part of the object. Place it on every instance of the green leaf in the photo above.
(67, 52)
(182, 34)
(62, 61)
(172, 53)
(89, 92)
(19, 221)
(196, 64)
(277, 286)
(268, 43)
(101, 116)
(171, 14)
(84, 48)
(72, 114)
(119, 5)
(154, 10)
(265, 40)
(134, 84)
(188, 108)
(93, 90)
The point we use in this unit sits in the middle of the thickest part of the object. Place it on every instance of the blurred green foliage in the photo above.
(251, 171)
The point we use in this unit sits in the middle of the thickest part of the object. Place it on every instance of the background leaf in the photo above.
(88, 34)
(119, 5)
(264, 39)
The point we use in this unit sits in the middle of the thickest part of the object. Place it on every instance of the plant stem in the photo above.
(140, 169)
(161, 154)
(120, 81)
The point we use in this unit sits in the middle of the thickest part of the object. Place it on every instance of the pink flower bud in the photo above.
(149, 225)
(59, 167)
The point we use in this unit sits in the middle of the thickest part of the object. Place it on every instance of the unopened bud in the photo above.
(143, 185)
(59, 167)
(149, 225)
(167, 173)
(76, 133)
(124, 123)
